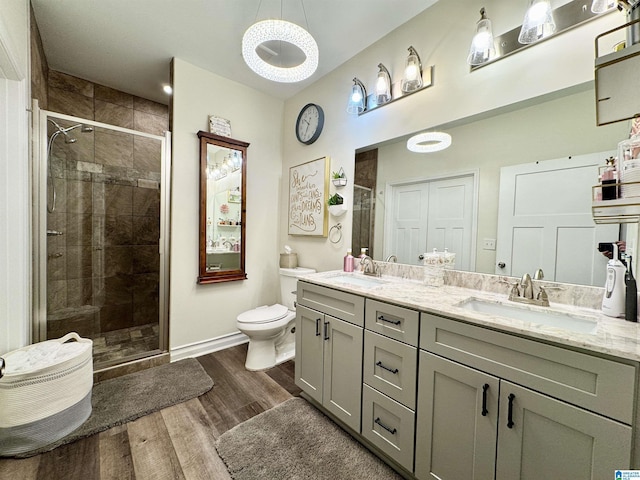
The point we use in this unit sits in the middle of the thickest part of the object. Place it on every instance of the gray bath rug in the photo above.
(294, 441)
(123, 399)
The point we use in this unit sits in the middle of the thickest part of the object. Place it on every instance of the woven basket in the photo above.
(40, 406)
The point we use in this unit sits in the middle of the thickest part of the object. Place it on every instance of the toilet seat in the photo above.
(264, 314)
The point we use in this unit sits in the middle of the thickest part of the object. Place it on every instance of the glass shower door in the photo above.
(104, 221)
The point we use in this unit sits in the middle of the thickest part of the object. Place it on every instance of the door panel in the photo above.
(454, 440)
(552, 439)
(342, 394)
(552, 229)
(309, 351)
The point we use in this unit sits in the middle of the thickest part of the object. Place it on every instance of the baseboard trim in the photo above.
(208, 346)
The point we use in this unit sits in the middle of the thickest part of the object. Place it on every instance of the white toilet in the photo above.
(270, 327)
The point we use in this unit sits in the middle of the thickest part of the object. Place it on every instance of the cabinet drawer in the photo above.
(393, 321)
(390, 366)
(388, 425)
(594, 383)
(342, 305)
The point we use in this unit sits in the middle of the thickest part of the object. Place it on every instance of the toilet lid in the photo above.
(264, 314)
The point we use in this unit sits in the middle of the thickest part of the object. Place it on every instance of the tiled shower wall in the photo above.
(366, 171)
(103, 271)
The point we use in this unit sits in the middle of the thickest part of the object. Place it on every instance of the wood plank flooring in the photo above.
(174, 443)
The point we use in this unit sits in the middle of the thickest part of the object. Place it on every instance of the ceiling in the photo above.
(128, 44)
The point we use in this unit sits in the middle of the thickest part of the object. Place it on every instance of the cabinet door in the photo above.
(342, 389)
(547, 438)
(309, 352)
(456, 421)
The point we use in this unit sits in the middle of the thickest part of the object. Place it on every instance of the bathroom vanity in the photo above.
(441, 390)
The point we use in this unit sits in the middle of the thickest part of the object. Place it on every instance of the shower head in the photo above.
(84, 128)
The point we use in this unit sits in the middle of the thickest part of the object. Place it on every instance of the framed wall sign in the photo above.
(308, 194)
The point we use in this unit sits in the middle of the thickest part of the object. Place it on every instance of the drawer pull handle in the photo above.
(393, 322)
(392, 431)
(510, 414)
(326, 330)
(392, 370)
(317, 327)
(485, 387)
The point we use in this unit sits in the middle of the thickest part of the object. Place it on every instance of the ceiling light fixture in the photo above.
(283, 31)
(412, 80)
(482, 46)
(538, 22)
(167, 89)
(429, 142)
(357, 98)
(383, 85)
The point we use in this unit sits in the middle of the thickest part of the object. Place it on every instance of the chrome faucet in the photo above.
(369, 266)
(228, 242)
(522, 292)
(391, 258)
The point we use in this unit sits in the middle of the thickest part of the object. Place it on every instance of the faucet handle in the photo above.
(542, 297)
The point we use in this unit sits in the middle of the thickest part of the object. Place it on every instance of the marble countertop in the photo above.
(612, 336)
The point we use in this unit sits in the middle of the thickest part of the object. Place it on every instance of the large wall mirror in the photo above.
(554, 127)
(223, 174)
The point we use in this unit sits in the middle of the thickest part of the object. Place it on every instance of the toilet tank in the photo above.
(288, 284)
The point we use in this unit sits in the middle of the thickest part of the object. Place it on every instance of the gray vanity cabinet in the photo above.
(549, 412)
(328, 365)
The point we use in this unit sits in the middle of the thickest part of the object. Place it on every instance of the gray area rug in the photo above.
(295, 441)
(123, 399)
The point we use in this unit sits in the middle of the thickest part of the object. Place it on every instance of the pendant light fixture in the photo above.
(383, 85)
(482, 46)
(412, 79)
(357, 98)
(538, 22)
(428, 142)
(283, 31)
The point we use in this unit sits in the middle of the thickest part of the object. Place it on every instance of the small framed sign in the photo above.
(219, 126)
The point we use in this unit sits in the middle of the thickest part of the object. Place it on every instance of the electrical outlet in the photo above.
(489, 244)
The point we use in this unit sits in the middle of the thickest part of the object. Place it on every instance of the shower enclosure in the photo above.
(101, 233)
(362, 229)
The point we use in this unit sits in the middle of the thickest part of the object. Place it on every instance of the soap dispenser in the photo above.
(613, 301)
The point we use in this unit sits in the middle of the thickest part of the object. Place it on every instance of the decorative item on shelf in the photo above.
(337, 207)
(224, 208)
(235, 196)
(219, 126)
(339, 178)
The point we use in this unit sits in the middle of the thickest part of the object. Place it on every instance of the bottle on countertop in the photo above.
(348, 261)
(609, 180)
(631, 299)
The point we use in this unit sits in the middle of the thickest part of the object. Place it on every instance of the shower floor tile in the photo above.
(124, 343)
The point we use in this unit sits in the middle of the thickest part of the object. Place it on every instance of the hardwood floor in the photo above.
(174, 443)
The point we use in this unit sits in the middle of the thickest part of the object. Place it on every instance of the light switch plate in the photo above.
(489, 244)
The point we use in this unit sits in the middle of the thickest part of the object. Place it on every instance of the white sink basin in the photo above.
(358, 280)
(551, 318)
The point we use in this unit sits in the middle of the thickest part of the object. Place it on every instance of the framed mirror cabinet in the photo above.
(223, 175)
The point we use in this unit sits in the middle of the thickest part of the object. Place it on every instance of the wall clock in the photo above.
(309, 123)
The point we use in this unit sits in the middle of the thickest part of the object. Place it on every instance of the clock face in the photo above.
(309, 124)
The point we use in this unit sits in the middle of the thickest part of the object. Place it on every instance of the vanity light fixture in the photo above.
(427, 142)
(383, 85)
(357, 98)
(538, 22)
(482, 46)
(167, 89)
(283, 31)
(412, 79)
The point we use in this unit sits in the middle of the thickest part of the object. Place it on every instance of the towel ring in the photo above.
(338, 231)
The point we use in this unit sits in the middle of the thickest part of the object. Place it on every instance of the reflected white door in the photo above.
(544, 220)
(432, 214)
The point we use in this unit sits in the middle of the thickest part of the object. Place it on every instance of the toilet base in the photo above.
(264, 354)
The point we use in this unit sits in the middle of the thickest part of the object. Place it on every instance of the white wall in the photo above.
(15, 196)
(441, 35)
(202, 313)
